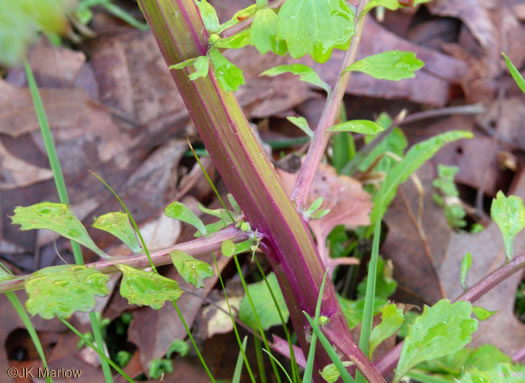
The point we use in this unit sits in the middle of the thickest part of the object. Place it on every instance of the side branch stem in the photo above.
(328, 117)
(161, 257)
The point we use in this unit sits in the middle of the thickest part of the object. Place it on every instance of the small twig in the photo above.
(328, 116)
(386, 364)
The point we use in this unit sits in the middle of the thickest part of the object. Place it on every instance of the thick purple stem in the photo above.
(252, 180)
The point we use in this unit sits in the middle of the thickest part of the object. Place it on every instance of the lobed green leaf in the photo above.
(117, 223)
(61, 290)
(228, 75)
(266, 310)
(315, 27)
(509, 215)
(502, 373)
(357, 126)
(392, 65)
(304, 72)
(56, 217)
(179, 211)
(391, 320)
(193, 270)
(442, 329)
(147, 288)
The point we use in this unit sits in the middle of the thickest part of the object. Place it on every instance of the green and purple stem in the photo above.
(252, 180)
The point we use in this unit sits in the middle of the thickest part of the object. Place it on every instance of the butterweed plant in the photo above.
(262, 216)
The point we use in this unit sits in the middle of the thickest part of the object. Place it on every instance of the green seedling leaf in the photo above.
(177, 210)
(263, 32)
(193, 271)
(415, 157)
(237, 41)
(56, 217)
(330, 373)
(385, 284)
(302, 124)
(465, 267)
(61, 290)
(320, 213)
(158, 367)
(180, 347)
(266, 310)
(228, 248)
(392, 65)
(123, 357)
(315, 28)
(442, 329)
(357, 126)
(201, 65)
(502, 373)
(209, 16)
(485, 357)
(353, 310)
(448, 196)
(391, 321)
(304, 72)
(314, 206)
(482, 314)
(117, 223)
(228, 75)
(509, 215)
(147, 288)
(389, 4)
(515, 73)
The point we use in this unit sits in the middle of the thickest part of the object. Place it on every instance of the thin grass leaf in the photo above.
(58, 176)
(279, 364)
(238, 365)
(515, 73)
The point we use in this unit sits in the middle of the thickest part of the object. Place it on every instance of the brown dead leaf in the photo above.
(416, 243)
(348, 203)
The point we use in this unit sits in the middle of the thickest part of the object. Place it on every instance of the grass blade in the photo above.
(62, 192)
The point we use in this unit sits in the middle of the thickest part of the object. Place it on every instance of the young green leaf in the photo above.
(266, 310)
(193, 271)
(509, 215)
(237, 41)
(177, 210)
(314, 206)
(485, 357)
(228, 75)
(302, 124)
(263, 32)
(159, 367)
(415, 157)
(482, 314)
(56, 217)
(391, 321)
(228, 248)
(465, 267)
(178, 346)
(385, 284)
(315, 28)
(357, 126)
(117, 223)
(61, 290)
(201, 65)
(392, 65)
(147, 288)
(183, 64)
(239, 15)
(353, 310)
(304, 72)
(515, 73)
(442, 329)
(209, 16)
(330, 373)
